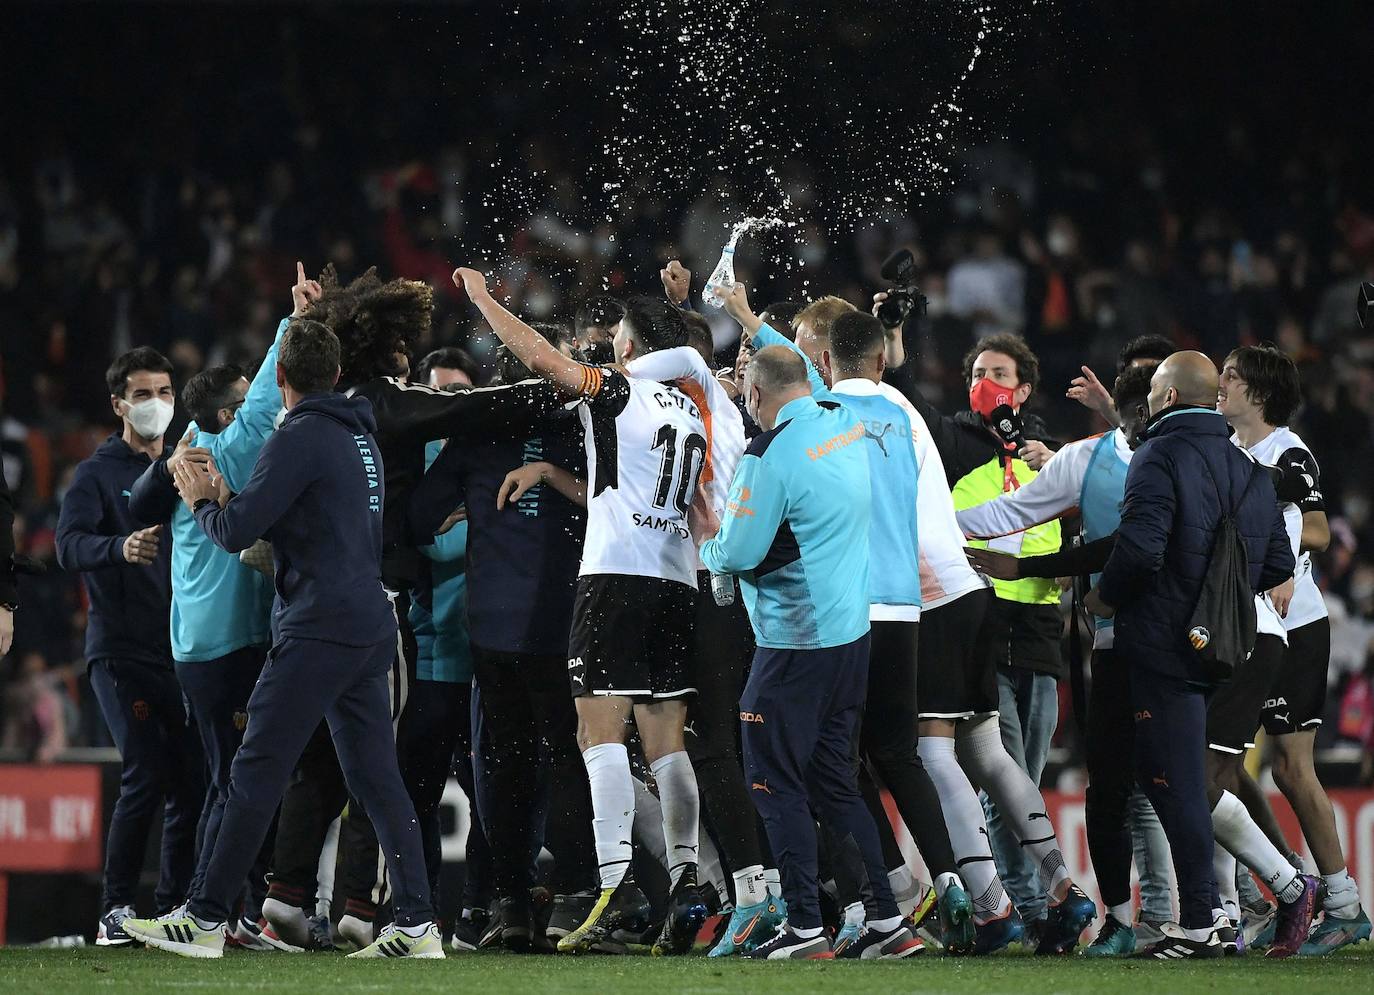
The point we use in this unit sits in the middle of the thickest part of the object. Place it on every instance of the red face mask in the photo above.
(987, 395)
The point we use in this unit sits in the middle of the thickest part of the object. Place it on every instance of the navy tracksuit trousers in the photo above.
(303, 681)
(162, 767)
(217, 692)
(1170, 744)
(801, 713)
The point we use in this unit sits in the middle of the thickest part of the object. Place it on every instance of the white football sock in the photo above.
(807, 934)
(901, 882)
(415, 932)
(772, 877)
(968, 834)
(885, 925)
(613, 809)
(1017, 798)
(1342, 895)
(1123, 913)
(944, 881)
(1237, 832)
(677, 793)
(750, 886)
(1224, 870)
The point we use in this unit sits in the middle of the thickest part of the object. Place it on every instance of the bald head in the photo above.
(775, 376)
(1183, 378)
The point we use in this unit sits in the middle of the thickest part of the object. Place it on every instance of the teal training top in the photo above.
(218, 604)
(796, 527)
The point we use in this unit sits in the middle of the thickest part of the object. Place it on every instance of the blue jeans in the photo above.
(1151, 851)
(1027, 712)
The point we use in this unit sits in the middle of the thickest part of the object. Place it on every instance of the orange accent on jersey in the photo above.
(693, 390)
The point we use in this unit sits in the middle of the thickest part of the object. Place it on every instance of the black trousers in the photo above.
(528, 715)
(163, 767)
(889, 740)
(1111, 782)
(724, 646)
(435, 740)
(217, 692)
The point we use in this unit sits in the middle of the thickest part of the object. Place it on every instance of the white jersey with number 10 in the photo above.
(646, 447)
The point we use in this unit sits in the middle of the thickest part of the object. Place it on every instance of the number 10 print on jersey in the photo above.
(646, 448)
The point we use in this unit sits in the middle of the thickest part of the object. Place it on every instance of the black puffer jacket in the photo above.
(1169, 518)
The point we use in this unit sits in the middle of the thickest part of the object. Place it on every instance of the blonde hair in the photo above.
(821, 314)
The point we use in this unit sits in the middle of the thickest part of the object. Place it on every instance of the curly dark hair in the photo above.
(374, 320)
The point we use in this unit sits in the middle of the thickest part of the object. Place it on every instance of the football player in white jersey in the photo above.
(1258, 394)
(636, 598)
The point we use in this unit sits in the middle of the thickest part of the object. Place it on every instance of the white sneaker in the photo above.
(429, 945)
(288, 923)
(353, 930)
(182, 935)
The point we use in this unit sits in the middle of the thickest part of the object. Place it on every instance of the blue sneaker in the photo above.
(956, 918)
(1113, 940)
(686, 916)
(851, 929)
(997, 934)
(749, 926)
(1332, 933)
(1066, 922)
(110, 932)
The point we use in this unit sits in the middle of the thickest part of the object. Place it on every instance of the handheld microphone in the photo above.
(1007, 424)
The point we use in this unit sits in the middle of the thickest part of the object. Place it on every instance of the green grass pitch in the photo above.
(71, 972)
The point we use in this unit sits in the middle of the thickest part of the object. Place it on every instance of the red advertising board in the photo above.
(50, 818)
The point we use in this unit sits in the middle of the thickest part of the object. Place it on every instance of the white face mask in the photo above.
(149, 418)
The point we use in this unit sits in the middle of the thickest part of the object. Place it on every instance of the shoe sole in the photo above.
(183, 949)
(430, 955)
(101, 941)
(910, 949)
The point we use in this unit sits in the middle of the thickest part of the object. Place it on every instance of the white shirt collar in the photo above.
(855, 385)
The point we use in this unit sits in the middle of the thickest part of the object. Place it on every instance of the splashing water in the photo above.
(723, 276)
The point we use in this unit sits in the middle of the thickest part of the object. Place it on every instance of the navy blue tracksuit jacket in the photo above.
(320, 505)
(130, 605)
(1169, 521)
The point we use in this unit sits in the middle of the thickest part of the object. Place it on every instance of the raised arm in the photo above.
(527, 345)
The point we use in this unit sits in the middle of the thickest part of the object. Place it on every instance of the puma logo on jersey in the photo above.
(761, 786)
(751, 717)
(879, 437)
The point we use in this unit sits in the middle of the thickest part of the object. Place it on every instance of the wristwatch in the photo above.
(201, 504)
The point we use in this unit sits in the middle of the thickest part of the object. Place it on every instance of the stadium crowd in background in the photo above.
(1046, 277)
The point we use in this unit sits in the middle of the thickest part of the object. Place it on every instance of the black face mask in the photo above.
(599, 353)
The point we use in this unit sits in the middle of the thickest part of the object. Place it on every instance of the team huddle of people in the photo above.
(681, 627)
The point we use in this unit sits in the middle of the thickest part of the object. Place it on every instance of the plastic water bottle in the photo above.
(723, 277)
(723, 589)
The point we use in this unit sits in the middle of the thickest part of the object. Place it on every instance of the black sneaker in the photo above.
(614, 909)
(787, 945)
(1227, 935)
(896, 944)
(1177, 946)
(1066, 921)
(569, 912)
(110, 931)
(511, 927)
(468, 931)
(686, 916)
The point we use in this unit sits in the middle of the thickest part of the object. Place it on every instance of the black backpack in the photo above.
(1222, 627)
